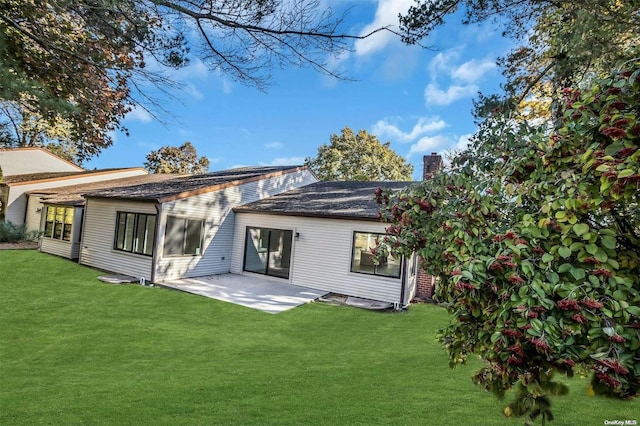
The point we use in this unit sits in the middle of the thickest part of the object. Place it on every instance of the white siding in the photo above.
(17, 200)
(215, 209)
(35, 211)
(321, 257)
(57, 247)
(33, 160)
(98, 236)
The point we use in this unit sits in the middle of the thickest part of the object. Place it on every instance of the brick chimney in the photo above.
(432, 163)
(425, 284)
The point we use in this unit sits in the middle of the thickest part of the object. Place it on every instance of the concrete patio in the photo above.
(253, 292)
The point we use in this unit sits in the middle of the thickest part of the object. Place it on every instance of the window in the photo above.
(362, 257)
(58, 223)
(135, 232)
(183, 237)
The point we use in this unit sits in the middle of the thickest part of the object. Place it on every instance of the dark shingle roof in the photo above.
(345, 200)
(187, 186)
(31, 177)
(72, 194)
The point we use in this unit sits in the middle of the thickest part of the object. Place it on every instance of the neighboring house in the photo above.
(22, 161)
(16, 187)
(321, 236)
(61, 216)
(27, 169)
(183, 227)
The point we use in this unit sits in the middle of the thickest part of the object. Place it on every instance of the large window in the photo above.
(183, 237)
(135, 232)
(58, 223)
(362, 257)
(268, 251)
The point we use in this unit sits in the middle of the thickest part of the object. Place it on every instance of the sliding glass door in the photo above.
(268, 251)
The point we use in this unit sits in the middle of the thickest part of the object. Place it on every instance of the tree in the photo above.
(563, 42)
(360, 157)
(183, 159)
(85, 63)
(535, 234)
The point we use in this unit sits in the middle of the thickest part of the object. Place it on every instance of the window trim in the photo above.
(50, 234)
(185, 228)
(374, 273)
(149, 234)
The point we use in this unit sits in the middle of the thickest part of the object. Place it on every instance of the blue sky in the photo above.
(419, 100)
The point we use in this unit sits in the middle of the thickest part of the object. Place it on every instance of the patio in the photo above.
(253, 292)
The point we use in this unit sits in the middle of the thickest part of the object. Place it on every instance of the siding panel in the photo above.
(321, 257)
(98, 236)
(57, 247)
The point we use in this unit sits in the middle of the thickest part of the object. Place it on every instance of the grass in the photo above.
(77, 351)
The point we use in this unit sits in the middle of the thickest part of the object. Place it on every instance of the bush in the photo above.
(11, 233)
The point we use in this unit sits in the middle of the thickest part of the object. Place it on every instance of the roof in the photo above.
(25, 179)
(331, 199)
(72, 195)
(187, 186)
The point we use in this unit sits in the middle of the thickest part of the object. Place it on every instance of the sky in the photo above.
(419, 100)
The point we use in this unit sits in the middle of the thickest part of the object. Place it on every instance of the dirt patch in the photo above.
(20, 245)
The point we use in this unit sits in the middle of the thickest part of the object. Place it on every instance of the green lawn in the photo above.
(74, 350)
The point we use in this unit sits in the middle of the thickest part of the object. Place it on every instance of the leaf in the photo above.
(580, 228)
(609, 241)
(634, 310)
(578, 273)
(564, 251)
(625, 173)
(619, 295)
(546, 258)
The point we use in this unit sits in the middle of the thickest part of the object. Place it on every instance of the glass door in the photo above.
(268, 251)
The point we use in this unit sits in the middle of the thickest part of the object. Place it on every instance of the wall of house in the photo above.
(17, 201)
(35, 211)
(32, 160)
(321, 255)
(215, 209)
(99, 233)
(57, 247)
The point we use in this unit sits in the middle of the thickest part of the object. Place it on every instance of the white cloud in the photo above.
(441, 63)
(385, 129)
(274, 145)
(433, 95)
(386, 15)
(194, 92)
(463, 143)
(472, 71)
(285, 161)
(138, 113)
(429, 144)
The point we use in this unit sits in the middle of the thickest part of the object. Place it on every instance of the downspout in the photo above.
(156, 244)
(403, 284)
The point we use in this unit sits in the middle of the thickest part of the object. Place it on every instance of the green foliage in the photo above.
(183, 159)
(11, 233)
(360, 157)
(535, 235)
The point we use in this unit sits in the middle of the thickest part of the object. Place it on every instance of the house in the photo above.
(23, 161)
(321, 236)
(182, 227)
(62, 212)
(29, 169)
